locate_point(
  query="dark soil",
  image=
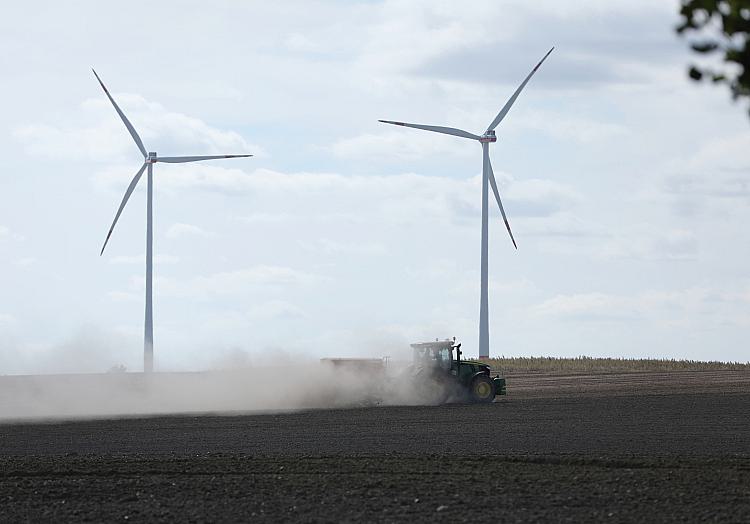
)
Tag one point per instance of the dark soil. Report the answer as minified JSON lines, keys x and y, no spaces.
{"x":672,"y":449}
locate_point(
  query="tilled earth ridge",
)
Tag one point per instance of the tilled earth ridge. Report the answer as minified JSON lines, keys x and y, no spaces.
{"x":388,"y":487}
{"x":680,"y":456}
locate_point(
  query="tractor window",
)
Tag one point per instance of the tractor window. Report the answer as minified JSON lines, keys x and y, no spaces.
{"x":445,"y":358}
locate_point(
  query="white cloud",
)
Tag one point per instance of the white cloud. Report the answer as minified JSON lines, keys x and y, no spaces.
{"x":395,"y":198}
{"x":595,"y":305}
{"x":332,"y":247}
{"x":235,"y":282}
{"x":6,"y":319}
{"x":719,"y":154}
{"x":565,"y":233}
{"x":7,"y":234}
{"x":101,"y":142}
{"x":426,"y":30}
{"x":300,"y":43}
{"x":407,"y":145}
{"x":180,"y":230}
{"x":712,"y":178}
{"x":275,"y":309}
{"x":267,"y":218}
{"x":570,"y":128}
{"x":536,"y":197}
{"x":25,"y":261}
{"x":643,"y":243}
{"x":100,"y":135}
{"x":559,"y":224}
{"x":125,"y":296}
{"x":715,"y":306}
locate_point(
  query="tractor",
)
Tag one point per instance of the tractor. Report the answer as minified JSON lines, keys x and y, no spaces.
{"x":442,"y":376}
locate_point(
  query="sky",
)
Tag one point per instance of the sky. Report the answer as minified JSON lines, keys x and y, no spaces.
{"x":627,"y":185}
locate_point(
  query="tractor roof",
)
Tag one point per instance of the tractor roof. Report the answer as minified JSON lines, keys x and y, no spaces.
{"x":437,"y":344}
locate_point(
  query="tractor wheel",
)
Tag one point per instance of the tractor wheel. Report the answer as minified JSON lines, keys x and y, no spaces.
{"x":482,"y":389}
{"x":429,"y":390}
{"x":432,"y":392}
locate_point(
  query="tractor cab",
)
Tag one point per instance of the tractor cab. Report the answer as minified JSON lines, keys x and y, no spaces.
{"x":438,"y":354}
{"x":441,"y":359}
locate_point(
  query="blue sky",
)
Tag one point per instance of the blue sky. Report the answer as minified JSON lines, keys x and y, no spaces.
{"x":626,"y":185}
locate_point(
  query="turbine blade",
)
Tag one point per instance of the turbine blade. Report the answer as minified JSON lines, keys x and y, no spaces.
{"x":181,"y":159}
{"x":512,"y":99}
{"x":128,"y":192}
{"x":437,"y":129}
{"x":125,"y":120}
{"x":493,"y":183}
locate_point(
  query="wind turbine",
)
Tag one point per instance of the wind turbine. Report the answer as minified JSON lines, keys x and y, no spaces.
{"x":487,"y":177}
{"x":149,"y":159}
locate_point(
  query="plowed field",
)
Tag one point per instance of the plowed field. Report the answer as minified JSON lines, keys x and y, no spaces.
{"x":631,"y":447}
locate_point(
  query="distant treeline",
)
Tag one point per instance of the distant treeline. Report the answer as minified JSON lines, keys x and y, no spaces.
{"x":606,"y":365}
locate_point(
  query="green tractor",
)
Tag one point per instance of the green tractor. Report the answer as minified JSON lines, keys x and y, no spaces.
{"x":442,"y":376}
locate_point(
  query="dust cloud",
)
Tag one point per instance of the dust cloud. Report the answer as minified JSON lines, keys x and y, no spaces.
{"x":86,"y":377}
{"x":260,"y":388}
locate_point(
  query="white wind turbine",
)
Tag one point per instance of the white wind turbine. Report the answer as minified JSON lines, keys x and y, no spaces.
{"x":150,"y":158}
{"x":487,"y":177}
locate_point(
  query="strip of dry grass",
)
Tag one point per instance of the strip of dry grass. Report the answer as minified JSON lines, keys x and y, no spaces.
{"x":606,"y":365}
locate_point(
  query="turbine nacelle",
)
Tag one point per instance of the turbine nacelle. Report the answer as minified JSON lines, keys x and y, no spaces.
{"x":489,"y":136}
{"x":151,"y":158}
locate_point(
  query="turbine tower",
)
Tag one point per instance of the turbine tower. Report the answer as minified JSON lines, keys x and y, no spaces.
{"x":488,"y":177}
{"x":149,"y":159}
